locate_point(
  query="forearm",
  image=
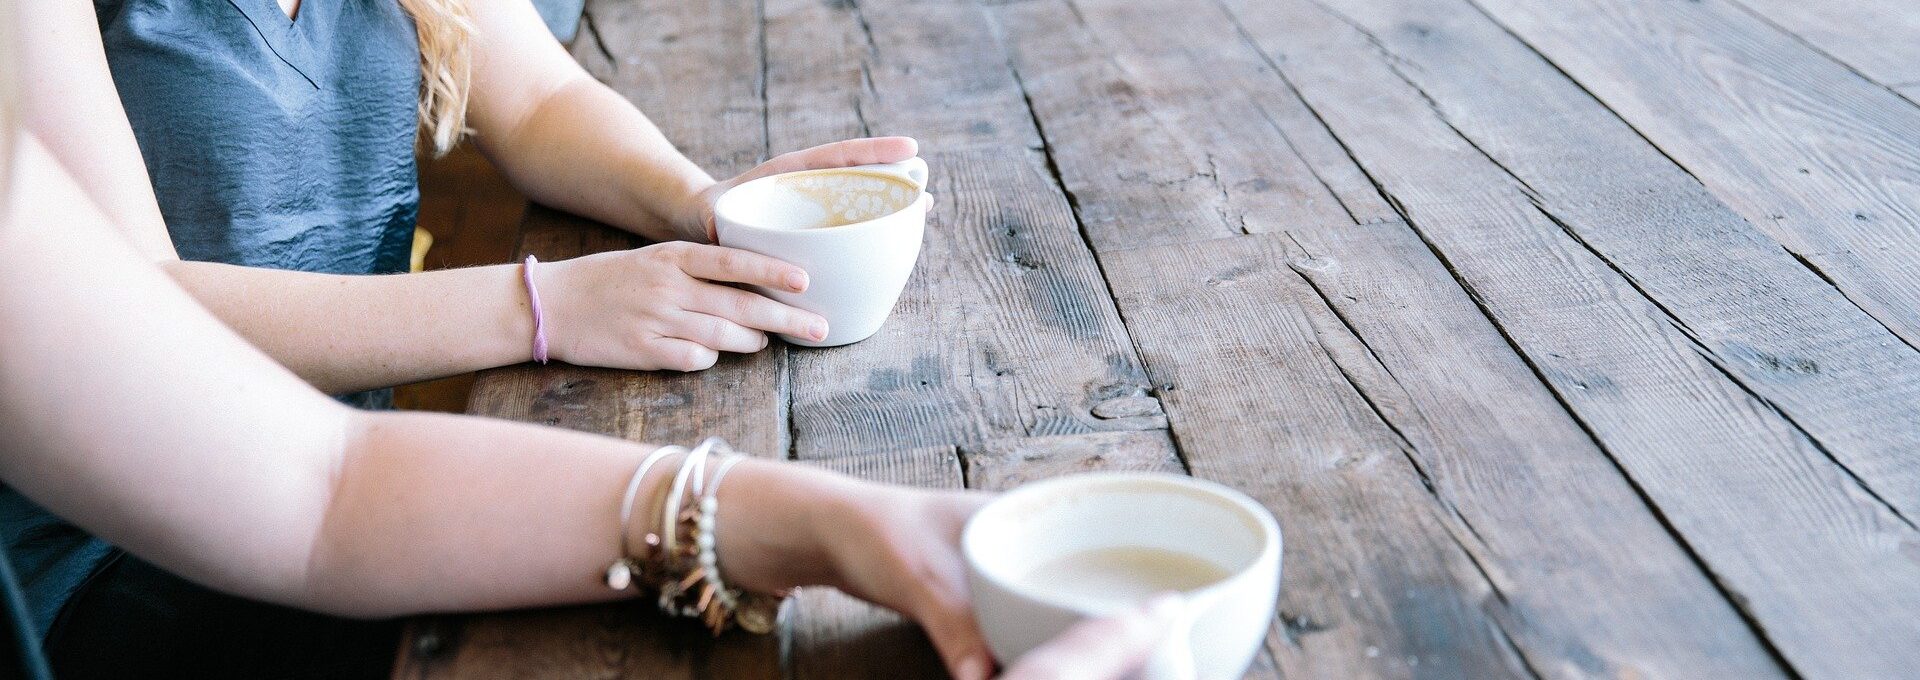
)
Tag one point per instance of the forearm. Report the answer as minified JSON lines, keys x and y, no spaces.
{"x":588,"y":151}
{"x":344,"y":334}
{"x":441,"y":513}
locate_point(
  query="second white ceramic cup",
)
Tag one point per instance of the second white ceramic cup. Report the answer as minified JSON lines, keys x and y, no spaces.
{"x":1222,"y":624}
{"x":856,"y":271}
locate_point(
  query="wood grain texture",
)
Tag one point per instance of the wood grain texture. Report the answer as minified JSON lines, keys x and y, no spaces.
{"x":1375,"y":585}
{"x":1163,"y":137}
{"x":1006,"y":328}
{"x":1500,"y":486}
{"x":628,"y":640}
{"x":1784,"y":333}
{"x":1800,"y":546}
{"x":1878,"y":38}
{"x":1003,"y":464}
{"x":1811,"y":153}
{"x":1541,"y":508}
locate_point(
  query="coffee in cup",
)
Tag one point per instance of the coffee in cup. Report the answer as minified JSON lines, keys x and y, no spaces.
{"x":1121,"y":576}
{"x":856,"y":231}
{"x":1049,"y":554}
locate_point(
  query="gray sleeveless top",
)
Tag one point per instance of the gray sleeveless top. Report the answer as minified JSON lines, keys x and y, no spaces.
{"x":271,"y":143}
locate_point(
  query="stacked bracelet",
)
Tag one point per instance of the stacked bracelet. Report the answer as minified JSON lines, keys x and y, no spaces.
{"x":620,"y":574}
{"x":681,"y":562}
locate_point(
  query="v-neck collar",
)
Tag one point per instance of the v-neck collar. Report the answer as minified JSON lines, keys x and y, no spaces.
{"x":283,"y":34}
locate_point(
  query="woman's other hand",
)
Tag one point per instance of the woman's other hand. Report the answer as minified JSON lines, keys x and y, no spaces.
{"x":900,"y":548}
{"x":665,"y":306}
{"x":695,"y":218}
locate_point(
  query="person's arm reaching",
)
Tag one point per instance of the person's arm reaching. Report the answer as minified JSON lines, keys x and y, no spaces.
{"x":349,"y":333}
{"x":569,"y":141}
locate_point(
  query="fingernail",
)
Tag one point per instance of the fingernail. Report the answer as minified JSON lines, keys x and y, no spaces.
{"x":818,"y":330}
{"x":797,"y":281}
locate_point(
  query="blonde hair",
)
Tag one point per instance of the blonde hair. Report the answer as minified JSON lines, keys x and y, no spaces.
{"x":446,"y":69}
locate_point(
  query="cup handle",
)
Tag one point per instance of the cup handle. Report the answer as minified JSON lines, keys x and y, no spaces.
{"x":913,"y":170}
{"x":1173,"y":659}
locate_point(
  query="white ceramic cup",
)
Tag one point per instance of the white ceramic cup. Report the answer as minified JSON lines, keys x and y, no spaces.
{"x":855,"y":268}
{"x":1222,"y":624}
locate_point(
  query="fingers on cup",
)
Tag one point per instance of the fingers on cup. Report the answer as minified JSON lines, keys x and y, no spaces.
{"x":732,"y":265}
{"x":759,"y":312}
{"x":958,"y":639}
{"x":864,"y":151}
{"x":675,"y":354}
{"x":1100,"y":649}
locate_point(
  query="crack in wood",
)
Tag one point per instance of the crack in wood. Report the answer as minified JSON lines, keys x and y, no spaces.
{"x":1719,"y":363}
{"x":599,"y":41}
{"x":1080,"y":224}
{"x":1312,"y":169}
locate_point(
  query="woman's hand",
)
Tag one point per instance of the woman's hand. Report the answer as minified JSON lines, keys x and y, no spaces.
{"x":664,"y":306}
{"x":694,"y":219}
{"x":899,"y":547}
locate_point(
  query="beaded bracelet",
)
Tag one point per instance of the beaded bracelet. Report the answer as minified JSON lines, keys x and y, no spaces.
{"x":754,"y":612}
{"x":693,"y":587}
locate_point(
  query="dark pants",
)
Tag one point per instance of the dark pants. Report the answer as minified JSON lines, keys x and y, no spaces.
{"x":135,"y":620}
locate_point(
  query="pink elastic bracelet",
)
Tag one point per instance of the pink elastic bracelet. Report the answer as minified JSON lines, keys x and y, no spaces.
{"x":539,"y":317}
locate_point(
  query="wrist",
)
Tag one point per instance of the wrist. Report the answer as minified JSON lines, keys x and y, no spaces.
{"x":549,"y":281}
{"x":674,"y":197}
{"x":778,"y":525}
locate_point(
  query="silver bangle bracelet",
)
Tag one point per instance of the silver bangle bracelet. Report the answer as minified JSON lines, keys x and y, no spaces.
{"x":620,"y":573}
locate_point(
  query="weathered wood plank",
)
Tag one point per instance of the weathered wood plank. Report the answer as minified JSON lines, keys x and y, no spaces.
{"x":1878,"y":38}
{"x":1502,"y":456}
{"x":1794,"y":539}
{"x":1147,"y":165}
{"x":696,"y":73}
{"x":1911,"y":92}
{"x":1782,"y":331}
{"x":1545,"y":513}
{"x":1816,"y":156}
{"x":629,"y":640}
{"x":1375,"y":582}
{"x":1003,"y":464}
{"x":1006,"y":328}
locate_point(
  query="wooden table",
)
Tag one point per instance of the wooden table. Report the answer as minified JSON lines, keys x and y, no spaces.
{"x":1566,"y":338}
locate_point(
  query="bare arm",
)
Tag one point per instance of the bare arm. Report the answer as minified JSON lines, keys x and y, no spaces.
{"x":568,"y":141}
{"x":349,"y":333}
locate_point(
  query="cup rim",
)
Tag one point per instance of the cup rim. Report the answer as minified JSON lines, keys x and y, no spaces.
{"x":720,"y":204}
{"x":1268,"y":526}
